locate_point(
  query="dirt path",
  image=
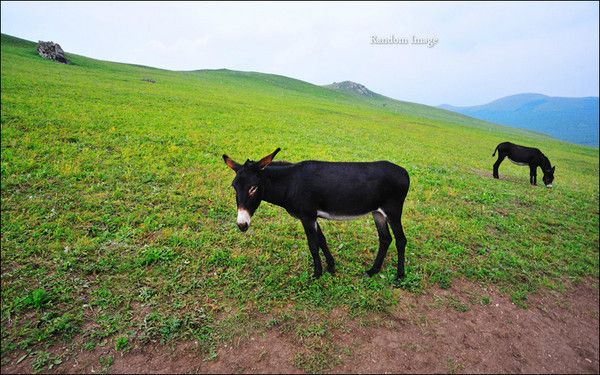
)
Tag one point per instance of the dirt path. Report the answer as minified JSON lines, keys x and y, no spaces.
{"x":464,"y":329}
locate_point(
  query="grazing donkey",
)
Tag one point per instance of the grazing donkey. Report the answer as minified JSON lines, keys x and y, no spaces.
{"x":522,"y":155}
{"x":315,"y":189}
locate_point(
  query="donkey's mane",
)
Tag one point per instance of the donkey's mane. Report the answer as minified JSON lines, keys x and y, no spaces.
{"x":280,"y":164}
{"x":547,"y":165}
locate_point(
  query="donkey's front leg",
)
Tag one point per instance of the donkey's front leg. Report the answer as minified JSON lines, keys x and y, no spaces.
{"x":533,"y":174}
{"x":310,"y":228}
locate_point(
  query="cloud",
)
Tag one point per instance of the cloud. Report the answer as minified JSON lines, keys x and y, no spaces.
{"x":485,"y":50}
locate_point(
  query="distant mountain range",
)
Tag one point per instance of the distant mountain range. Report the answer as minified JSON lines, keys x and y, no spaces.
{"x":570,"y":119}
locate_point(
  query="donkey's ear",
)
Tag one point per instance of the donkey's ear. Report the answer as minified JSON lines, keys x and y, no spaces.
{"x":553,"y":168}
{"x":230,"y":163}
{"x":267,"y":159}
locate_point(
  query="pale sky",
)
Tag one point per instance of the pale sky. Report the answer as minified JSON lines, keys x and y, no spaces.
{"x":485,"y":50}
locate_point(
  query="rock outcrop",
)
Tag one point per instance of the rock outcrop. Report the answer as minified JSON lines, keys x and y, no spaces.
{"x":352,"y":88}
{"x":52,"y":51}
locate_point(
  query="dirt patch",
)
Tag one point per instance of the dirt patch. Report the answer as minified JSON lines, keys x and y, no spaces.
{"x":466,"y":328}
{"x":270,"y":352}
{"x":505,"y":177}
{"x":558,"y":333}
{"x":482,"y":173}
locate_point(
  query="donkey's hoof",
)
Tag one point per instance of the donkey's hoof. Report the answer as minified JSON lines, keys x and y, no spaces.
{"x":331,"y":269}
{"x":371,"y":272}
{"x":317,"y":275}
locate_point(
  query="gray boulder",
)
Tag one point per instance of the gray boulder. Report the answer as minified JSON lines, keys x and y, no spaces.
{"x":52,"y":51}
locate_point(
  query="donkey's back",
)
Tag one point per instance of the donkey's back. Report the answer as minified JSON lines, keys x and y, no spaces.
{"x":350,"y":187}
{"x":356,"y":175}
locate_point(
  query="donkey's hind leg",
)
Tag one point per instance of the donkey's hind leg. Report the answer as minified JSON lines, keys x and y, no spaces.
{"x":312,"y":236}
{"x":326,"y":252}
{"x":396,"y":224}
{"x":385,"y":239}
{"x":501,"y":157}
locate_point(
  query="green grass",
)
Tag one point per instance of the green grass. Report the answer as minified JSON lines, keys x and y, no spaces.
{"x":118,"y":218}
{"x":121,"y":343}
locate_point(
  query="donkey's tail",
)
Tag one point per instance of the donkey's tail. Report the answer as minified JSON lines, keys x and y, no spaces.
{"x":494,"y":154}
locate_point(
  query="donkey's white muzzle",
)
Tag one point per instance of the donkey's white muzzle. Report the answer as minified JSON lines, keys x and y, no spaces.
{"x":243,"y":220}
{"x":549,"y":185}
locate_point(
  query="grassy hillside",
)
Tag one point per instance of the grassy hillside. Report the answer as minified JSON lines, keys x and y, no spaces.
{"x":118,"y":218}
{"x":421,"y":111}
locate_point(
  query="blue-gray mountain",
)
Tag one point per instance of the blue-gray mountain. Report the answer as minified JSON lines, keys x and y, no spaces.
{"x":570,"y":119}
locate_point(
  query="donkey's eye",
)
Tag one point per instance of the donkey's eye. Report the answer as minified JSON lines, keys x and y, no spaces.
{"x":253,"y":190}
